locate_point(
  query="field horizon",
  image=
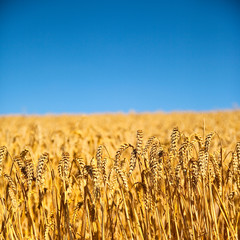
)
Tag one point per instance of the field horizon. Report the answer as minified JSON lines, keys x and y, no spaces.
{"x":235,"y":109}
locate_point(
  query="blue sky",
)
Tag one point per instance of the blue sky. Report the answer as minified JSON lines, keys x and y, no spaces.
{"x":110,"y":56}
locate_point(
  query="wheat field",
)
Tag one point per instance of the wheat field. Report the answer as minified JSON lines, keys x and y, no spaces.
{"x":120,"y":176}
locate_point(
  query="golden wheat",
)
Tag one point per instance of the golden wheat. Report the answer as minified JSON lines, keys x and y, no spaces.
{"x":136,"y":176}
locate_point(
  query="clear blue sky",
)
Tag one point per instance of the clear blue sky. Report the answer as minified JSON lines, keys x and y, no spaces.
{"x":108,"y":56}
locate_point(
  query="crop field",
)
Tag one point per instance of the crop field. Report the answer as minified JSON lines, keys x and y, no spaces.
{"x":120,"y":176}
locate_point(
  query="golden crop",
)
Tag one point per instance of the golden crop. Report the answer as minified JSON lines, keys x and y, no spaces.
{"x":133,"y":176}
